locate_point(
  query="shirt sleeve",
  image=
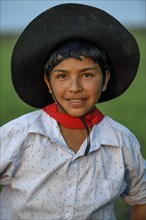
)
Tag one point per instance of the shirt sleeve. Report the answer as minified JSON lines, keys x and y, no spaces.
{"x":135,"y":172}
{"x":12,"y":146}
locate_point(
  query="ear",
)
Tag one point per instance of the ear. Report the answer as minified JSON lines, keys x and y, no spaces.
{"x":47,"y":83}
{"x":107,"y":77}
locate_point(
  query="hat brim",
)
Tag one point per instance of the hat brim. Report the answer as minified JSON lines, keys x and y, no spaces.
{"x":61,"y":23}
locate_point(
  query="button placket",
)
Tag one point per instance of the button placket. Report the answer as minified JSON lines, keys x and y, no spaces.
{"x":71,"y":190}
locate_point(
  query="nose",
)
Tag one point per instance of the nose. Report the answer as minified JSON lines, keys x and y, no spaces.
{"x":75,"y":85}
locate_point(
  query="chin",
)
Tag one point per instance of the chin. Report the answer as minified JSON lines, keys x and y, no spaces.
{"x":77,"y":114}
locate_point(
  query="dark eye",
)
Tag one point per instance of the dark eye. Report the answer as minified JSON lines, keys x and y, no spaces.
{"x":61,"y":76}
{"x":87,"y":75}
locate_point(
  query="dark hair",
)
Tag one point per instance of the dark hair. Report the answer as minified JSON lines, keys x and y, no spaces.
{"x":76,"y":49}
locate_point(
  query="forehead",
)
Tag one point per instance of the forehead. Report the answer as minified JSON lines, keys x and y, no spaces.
{"x":77,"y":64}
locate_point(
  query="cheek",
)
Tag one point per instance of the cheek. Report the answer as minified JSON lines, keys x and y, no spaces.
{"x":96,"y":91}
{"x":95,"y":87}
{"x":58,"y":88}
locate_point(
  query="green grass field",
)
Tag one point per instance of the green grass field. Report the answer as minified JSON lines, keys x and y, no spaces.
{"x":129,"y":109}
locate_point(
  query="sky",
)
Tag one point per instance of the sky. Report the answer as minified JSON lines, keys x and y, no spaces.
{"x":15,"y":15}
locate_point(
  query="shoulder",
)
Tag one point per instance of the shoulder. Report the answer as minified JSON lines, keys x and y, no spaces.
{"x":21,"y":123}
{"x":124,"y":135}
{"x":117,"y":126}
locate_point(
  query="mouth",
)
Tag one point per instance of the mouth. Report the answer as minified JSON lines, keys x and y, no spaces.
{"x":77,"y":102}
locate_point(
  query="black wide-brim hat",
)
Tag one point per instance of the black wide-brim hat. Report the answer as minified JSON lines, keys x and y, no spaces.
{"x":61,"y":23}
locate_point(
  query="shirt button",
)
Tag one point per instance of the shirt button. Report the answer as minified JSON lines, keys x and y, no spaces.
{"x":67,"y":215}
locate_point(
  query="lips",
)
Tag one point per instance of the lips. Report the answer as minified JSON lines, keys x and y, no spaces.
{"x":77,"y":102}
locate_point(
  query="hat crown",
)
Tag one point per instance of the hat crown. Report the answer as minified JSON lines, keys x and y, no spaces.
{"x":64,"y":22}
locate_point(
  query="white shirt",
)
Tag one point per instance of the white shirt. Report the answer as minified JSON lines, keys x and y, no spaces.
{"x":44,"y":179}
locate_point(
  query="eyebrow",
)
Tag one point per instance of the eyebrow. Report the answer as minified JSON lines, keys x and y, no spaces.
{"x":82,"y":70}
{"x":59,"y":70}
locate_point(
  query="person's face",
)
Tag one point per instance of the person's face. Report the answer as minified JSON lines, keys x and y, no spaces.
{"x":77,"y":85}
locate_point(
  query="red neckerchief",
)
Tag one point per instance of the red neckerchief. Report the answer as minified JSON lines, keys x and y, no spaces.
{"x":69,"y":121}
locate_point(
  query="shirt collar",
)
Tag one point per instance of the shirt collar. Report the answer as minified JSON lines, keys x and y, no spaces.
{"x":101,"y":134}
{"x":46,"y":126}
